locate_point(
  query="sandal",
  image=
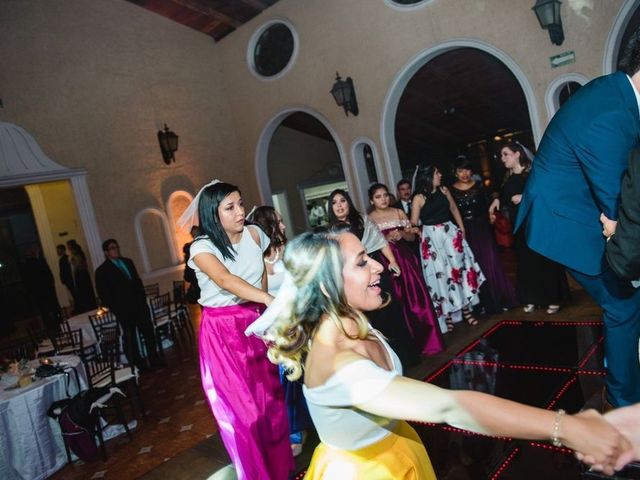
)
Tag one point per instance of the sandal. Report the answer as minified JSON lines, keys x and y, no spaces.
{"x":529,"y":308}
{"x":553,"y":309}
{"x":467,"y":314}
{"x":449,"y":323}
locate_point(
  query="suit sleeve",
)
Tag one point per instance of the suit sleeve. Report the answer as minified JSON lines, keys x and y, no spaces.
{"x":103,"y":288}
{"x":603,"y":151}
{"x":623,"y":249}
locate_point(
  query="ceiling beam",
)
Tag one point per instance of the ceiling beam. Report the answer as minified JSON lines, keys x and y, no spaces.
{"x":197,"y":6}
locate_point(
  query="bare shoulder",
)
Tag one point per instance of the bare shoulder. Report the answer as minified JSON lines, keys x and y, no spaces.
{"x":253,"y":231}
{"x":444,"y":190}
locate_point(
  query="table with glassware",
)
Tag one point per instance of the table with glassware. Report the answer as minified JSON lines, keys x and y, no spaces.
{"x":32,"y":446}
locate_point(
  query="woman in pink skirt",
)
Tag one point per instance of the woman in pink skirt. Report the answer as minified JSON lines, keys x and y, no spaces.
{"x":241,"y":385}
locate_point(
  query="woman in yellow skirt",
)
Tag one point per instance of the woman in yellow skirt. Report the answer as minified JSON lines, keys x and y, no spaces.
{"x":353,"y":383}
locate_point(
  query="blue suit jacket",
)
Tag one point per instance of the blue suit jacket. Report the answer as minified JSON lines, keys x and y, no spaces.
{"x":577,"y":174}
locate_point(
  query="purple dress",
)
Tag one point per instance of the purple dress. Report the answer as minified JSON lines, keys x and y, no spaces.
{"x":497,"y":293}
{"x":409,"y":288}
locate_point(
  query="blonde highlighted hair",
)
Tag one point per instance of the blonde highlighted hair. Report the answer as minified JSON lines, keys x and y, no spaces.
{"x":314,"y":262}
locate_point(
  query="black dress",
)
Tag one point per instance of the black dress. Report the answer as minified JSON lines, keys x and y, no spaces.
{"x":497,"y":293}
{"x":539,"y":280}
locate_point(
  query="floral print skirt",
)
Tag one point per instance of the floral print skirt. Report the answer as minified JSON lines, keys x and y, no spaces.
{"x":451,"y":272}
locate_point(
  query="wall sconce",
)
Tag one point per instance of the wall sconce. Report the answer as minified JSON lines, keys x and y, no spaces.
{"x":344,"y":94}
{"x":548,"y":13}
{"x":168,"y":144}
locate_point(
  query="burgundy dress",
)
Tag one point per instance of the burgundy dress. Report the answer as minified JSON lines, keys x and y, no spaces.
{"x":409,"y":288}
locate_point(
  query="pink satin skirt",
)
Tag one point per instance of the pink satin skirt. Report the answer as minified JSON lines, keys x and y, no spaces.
{"x":244,"y":393}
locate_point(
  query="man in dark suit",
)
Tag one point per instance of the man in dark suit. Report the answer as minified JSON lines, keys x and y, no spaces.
{"x":623,"y":248}
{"x":121,"y":290}
{"x":404,"y":197}
{"x":576,"y":176}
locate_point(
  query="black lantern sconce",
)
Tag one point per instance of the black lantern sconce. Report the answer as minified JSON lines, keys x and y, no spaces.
{"x":344,"y":94}
{"x":168,"y":144}
{"x":548,"y":13}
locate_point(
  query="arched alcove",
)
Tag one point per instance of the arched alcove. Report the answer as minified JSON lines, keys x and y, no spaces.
{"x":265,"y":173}
{"x":155,"y":241}
{"x":367,"y":166}
{"x":552,"y":96}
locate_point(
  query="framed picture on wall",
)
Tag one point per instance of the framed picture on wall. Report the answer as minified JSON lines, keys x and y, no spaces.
{"x":316,"y":200}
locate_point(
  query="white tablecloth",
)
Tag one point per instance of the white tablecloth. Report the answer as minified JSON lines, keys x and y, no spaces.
{"x":31,"y":445}
{"x":81,"y":321}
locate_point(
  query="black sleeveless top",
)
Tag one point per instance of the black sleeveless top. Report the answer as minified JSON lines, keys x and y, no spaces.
{"x":435,"y":209}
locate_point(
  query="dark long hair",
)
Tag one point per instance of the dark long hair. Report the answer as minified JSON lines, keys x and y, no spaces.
{"x":525,"y":161}
{"x":354,"y":218}
{"x":424,"y":180}
{"x":266,"y":218}
{"x":210,"y":200}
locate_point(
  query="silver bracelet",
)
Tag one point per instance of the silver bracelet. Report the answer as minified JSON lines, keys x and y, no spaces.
{"x":555,"y":441}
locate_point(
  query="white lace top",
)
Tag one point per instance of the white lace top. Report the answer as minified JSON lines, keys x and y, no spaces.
{"x":331,"y":405}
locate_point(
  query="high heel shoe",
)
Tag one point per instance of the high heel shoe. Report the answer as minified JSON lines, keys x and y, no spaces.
{"x":467,"y":314}
{"x":529,"y":308}
{"x":449,"y":323}
{"x":553,"y":309}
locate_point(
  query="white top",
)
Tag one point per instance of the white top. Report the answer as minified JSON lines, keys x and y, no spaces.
{"x":275,"y":280}
{"x":331,"y":405}
{"x":248,"y":265}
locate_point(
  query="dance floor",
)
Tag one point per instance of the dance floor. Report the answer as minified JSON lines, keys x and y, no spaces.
{"x":546,"y":364}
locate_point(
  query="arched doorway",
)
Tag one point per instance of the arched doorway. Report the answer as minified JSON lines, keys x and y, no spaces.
{"x":627,"y":21}
{"x":478,"y":104}
{"x":58,"y":201}
{"x":299,"y":161}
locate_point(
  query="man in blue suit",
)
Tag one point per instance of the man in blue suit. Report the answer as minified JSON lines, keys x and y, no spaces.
{"x":576,"y":176}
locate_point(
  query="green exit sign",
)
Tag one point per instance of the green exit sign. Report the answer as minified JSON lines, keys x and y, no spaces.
{"x":562,"y":59}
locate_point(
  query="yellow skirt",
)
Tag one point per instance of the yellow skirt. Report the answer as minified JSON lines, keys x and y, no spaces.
{"x":400,"y":455}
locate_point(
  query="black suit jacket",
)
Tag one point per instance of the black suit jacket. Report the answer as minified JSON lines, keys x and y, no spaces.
{"x":66,"y":277}
{"x":399,"y":206}
{"x":623,"y":249}
{"x":124,"y":296}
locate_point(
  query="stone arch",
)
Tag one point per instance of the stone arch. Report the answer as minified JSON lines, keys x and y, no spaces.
{"x":552,"y":96}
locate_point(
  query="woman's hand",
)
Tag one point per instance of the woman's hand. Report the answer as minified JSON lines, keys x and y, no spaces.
{"x":627,"y":421}
{"x":393,"y":236}
{"x":394,"y":269}
{"x":495,"y":206}
{"x":608,"y":226}
{"x":596,"y":442}
{"x":516,"y":199}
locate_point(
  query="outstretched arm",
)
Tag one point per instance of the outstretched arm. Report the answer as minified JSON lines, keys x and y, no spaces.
{"x":587,"y":432}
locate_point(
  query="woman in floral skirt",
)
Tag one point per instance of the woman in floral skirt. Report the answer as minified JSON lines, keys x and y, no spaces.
{"x":453,"y":276}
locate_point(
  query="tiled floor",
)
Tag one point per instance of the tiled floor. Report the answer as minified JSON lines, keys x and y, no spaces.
{"x":177,"y":440}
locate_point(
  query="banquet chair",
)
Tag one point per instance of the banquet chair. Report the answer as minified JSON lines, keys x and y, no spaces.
{"x":181,"y":311}
{"x":103,"y":372}
{"x":71,"y":342}
{"x":21,"y":348}
{"x":163,"y":321}
{"x":152,"y":290}
{"x":101,"y":321}
{"x":41,"y":341}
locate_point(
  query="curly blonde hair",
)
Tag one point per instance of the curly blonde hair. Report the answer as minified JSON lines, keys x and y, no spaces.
{"x":315,"y":263}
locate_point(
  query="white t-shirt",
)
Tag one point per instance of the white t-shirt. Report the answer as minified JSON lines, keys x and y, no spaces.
{"x":331,"y":405}
{"x":248,"y":265}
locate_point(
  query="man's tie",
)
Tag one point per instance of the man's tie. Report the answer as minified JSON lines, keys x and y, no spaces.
{"x":121,"y":265}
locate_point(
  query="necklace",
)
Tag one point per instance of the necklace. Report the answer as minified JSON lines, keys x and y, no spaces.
{"x":276,"y":258}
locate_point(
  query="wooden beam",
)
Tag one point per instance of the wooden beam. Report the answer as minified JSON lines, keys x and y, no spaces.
{"x":257,"y":4}
{"x":197,"y":6}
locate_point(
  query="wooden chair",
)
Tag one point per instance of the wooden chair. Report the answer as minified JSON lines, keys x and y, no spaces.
{"x":152,"y":290}
{"x":163,"y":320}
{"x":99,"y":322}
{"x":72,"y":343}
{"x":181,"y":311}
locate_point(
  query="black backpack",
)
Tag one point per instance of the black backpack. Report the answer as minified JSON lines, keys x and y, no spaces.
{"x":78,"y":424}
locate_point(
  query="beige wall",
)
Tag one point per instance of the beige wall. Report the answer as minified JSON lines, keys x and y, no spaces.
{"x":94,"y":80}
